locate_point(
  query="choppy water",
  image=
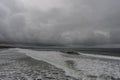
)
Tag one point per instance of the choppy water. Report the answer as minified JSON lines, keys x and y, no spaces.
{"x":78,"y":65}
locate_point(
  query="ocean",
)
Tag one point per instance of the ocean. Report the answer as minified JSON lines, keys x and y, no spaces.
{"x":79,"y":65}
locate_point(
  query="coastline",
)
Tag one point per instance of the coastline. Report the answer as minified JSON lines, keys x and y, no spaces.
{"x":51,"y":65}
{"x":19,"y":66}
{"x":80,"y":66}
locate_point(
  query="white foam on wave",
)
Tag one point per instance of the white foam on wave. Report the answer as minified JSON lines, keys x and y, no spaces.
{"x":79,"y":64}
{"x":52,"y":57}
{"x":101,"y":56}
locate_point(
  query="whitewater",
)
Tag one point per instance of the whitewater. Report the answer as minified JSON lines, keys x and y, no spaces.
{"x":78,"y":66}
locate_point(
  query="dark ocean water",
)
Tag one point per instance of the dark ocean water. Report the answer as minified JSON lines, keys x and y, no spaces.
{"x":100,"y":51}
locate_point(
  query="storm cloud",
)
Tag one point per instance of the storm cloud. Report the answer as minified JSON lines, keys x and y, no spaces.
{"x":65,"y":22}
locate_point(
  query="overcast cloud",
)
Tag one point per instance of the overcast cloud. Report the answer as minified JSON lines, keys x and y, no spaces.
{"x":66,"y":22}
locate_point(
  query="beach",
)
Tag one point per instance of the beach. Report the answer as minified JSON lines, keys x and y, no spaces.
{"x":27,"y":64}
{"x":18,"y":66}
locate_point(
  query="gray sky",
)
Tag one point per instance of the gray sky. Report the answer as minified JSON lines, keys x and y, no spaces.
{"x":66,"y":22}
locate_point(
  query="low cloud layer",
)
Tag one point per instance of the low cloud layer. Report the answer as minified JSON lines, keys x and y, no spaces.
{"x":64,"y":22}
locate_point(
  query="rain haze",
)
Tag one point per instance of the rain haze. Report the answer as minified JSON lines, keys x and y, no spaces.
{"x":60,"y":22}
{"x":59,"y":40}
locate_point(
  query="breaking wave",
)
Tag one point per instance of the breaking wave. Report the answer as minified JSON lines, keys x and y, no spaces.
{"x":78,"y":65}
